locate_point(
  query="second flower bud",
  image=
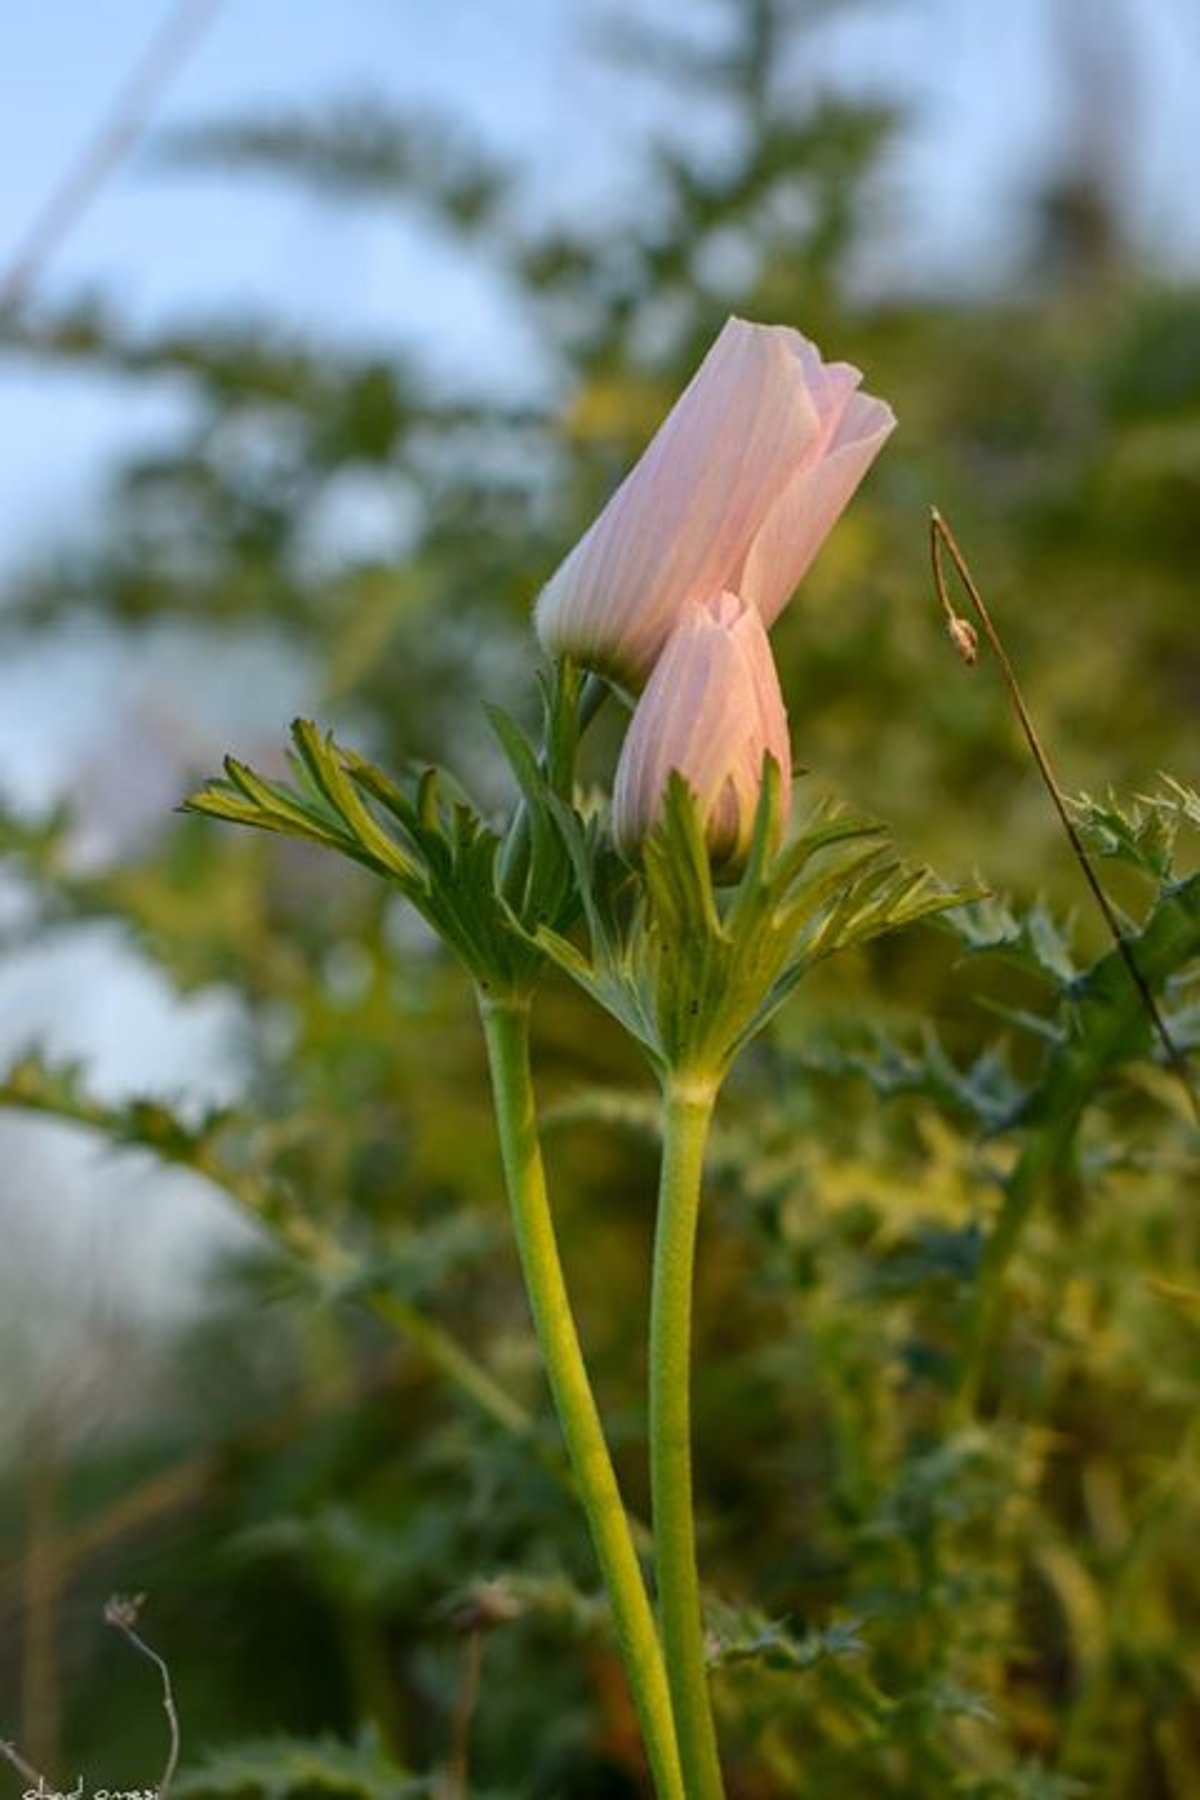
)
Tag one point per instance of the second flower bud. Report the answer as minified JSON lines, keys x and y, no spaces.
{"x":711,"y":712}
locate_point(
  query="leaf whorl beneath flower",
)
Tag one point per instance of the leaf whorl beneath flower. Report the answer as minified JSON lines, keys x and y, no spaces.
{"x":695,"y":973}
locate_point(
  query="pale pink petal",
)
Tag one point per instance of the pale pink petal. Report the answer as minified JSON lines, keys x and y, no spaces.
{"x":684,"y":518}
{"x":810,"y":505}
{"x":711,"y":710}
{"x":829,"y":384}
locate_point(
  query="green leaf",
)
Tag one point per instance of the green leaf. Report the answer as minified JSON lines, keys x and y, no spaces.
{"x":436,"y":850}
{"x":744,"y":1635}
{"x":277,"y":1768}
{"x":326,"y":767}
{"x":1143,"y":834}
{"x":246,"y":799}
{"x":1105,"y":1020}
{"x":985,"y":1091}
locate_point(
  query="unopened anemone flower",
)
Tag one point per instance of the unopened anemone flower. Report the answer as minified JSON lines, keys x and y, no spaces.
{"x":712,"y":712}
{"x":737,"y":492}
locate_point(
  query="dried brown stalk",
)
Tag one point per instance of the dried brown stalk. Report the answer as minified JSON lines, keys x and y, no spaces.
{"x":962,"y":632}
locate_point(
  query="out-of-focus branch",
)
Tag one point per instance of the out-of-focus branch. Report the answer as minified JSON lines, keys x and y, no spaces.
{"x":39,"y":1664}
{"x":119,"y":130}
{"x":12,"y":1755}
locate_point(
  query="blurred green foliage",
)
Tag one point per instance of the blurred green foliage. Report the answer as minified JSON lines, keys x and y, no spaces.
{"x":949,"y":1315}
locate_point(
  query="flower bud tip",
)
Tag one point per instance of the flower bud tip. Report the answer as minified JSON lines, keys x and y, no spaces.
{"x":964,"y":637}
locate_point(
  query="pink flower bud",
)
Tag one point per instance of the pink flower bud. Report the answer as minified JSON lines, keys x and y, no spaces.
{"x":712,"y":710}
{"x":737,"y":490}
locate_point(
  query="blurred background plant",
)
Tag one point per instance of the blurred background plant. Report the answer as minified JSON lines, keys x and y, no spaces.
{"x":266,"y":1353}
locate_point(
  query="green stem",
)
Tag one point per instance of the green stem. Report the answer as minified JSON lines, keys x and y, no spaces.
{"x":1043,"y":1154}
{"x":506,"y":1029}
{"x":687,"y":1111}
{"x":454,"y":1363}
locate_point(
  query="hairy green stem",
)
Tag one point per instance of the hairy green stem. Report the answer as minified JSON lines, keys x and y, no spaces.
{"x":506,"y":1029}
{"x":687,"y":1112}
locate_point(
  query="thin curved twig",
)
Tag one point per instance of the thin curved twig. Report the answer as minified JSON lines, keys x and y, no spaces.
{"x":119,"y":130}
{"x":962,"y":633}
{"x":121,"y":1612}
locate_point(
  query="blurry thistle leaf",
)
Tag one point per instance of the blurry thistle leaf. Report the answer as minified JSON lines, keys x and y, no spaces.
{"x":1142,"y":834}
{"x":941,"y":1699}
{"x":953,"y":1482}
{"x":986,"y":1090}
{"x":1093,"y":1023}
{"x":233,"y":1150}
{"x":1104,"y":1019}
{"x":740,"y":1634}
{"x":248,"y":1158}
{"x":412,"y":1267}
{"x":59,"y":1090}
{"x":1048,"y":942}
{"x":933,"y":1255}
{"x":288,"y":1768}
{"x":1032,"y":938}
